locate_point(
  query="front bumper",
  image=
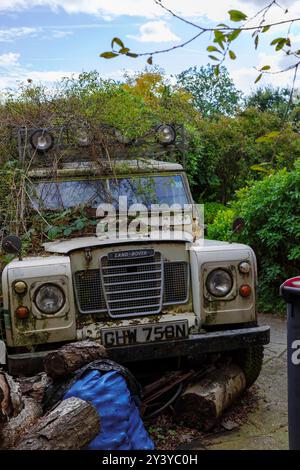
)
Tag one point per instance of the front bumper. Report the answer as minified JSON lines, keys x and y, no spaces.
{"x":194,"y":346}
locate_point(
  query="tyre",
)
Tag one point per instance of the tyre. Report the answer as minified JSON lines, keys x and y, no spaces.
{"x":250,"y":360}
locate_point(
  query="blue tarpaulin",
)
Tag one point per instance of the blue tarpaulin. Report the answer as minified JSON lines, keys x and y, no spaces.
{"x":121,"y":425}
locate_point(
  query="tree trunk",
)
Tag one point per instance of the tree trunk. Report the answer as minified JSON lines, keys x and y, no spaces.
{"x":202,"y":403}
{"x":18,"y":425}
{"x":71,"y":357}
{"x":69,"y":426}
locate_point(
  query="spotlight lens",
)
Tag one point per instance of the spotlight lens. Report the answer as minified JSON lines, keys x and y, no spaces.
{"x":83,"y":138}
{"x":41,"y":140}
{"x":166,"y":134}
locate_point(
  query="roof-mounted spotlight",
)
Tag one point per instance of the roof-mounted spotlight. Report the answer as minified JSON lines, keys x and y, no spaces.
{"x":41,"y":140}
{"x":121,"y":138}
{"x":165,"y":134}
{"x":82,"y":137}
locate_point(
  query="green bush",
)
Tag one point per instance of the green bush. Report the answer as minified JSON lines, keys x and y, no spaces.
{"x":210,"y":211}
{"x":220,"y":229}
{"x":271,"y":209}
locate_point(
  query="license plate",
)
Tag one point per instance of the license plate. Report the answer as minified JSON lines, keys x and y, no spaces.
{"x":146,"y":333}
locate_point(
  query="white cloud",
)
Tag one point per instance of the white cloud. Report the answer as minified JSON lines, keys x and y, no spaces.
{"x":10,"y":34}
{"x":60,"y":34}
{"x":155,"y":31}
{"x":214,"y":10}
{"x":9,"y":60}
{"x":12,"y":73}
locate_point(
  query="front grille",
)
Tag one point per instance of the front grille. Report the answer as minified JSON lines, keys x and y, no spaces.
{"x":89,"y":292}
{"x":128,"y":287}
{"x":176,"y":282}
{"x":133,"y":286}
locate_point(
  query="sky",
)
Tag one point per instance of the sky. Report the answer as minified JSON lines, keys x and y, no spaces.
{"x":45,"y":40}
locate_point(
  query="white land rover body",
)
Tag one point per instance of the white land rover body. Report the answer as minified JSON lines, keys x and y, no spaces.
{"x":143,"y":297}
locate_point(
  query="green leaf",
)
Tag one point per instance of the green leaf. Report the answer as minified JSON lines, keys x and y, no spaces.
{"x":68,"y":231}
{"x":236,"y":15}
{"x":108,"y":55}
{"x":275,"y":41}
{"x":212,"y":49}
{"x":268,"y":137}
{"x":217,"y":70}
{"x":265,"y":29}
{"x":117,"y":41}
{"x":280,"y":45}
{"x":258,"y":78}
{"x":212,"y":57}
{"x":256,"y":41}
{"x":80,"y":224}
{"x":219,"y":36}
{"x":259,"y":168}
{"x":232,"y":36}
{"x":124,"y":50}
{"x":53,"y":232}
{"x":232,"y":55}
{"x":132,"y":54}
{"x":265,"y":67}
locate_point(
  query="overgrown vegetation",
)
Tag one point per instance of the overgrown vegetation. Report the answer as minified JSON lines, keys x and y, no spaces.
{"x":271,"y":211}
{"x":241,"y":156}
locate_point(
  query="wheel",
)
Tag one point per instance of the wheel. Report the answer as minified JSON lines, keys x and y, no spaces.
{"x":250,"y":360}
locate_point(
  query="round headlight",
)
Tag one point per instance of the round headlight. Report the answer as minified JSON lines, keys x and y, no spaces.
{"x":219,"y":283}
{"x":49,"y":299}
{"x":166,"y":134}
{"x":41,"y":140}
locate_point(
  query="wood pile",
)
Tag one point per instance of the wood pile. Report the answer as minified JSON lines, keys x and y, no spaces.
{"x":23,"y":426}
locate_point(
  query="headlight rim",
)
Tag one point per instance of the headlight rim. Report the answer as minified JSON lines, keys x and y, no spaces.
{"x":219,"y":296}
{"x":171,"y":128}
{"x":43,"y":132}
{"x":37,"y":292}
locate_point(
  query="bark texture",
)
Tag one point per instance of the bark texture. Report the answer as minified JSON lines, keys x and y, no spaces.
{"x":69,"y":426}
{"x":71,"y":357}
{"x":202,"y":403}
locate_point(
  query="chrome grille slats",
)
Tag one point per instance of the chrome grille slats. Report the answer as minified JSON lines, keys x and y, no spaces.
{"x":132,"y":287}
{"x":119,"y":278}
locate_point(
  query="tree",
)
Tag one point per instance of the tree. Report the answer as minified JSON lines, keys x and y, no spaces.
{"x":269,"y":99}
{"x":211,"y":95}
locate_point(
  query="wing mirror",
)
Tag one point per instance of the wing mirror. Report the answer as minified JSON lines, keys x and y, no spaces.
{"x":238,"y":225}
{"x":12,"y":245}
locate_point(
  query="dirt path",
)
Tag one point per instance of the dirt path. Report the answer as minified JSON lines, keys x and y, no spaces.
{"x":266,"y":426}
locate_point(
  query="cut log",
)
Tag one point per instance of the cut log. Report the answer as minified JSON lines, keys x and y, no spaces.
{"x":5,"y":401}
{"x":12,"y":402}
{"x":18,"y":425}
{"x":71,"y":357}
{"x":34,"y":387}
{"x":202,"y":403}
{"x":71,"y":425}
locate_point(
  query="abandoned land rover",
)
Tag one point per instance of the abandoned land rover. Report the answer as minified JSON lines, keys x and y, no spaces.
{"x":146,"y":294}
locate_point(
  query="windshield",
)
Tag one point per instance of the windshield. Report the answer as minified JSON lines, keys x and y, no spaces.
{"x":147,"y":190}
